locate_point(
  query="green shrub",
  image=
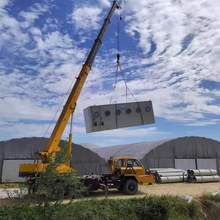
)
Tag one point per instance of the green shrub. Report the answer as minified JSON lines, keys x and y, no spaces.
{"x":211,"y":197}
{"x":211,"y":206}
{"x":149,"y":208}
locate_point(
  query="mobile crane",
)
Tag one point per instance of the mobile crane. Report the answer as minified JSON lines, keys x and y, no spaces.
{"x":125,"y":172}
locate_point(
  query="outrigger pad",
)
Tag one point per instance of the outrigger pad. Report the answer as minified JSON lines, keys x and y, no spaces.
{"x":113,"y":116}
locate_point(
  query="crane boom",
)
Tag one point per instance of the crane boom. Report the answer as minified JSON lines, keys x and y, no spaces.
{"x":69,"y":107}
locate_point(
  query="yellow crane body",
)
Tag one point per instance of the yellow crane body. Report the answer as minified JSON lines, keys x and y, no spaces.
{"x":125,"y":176}
{"x":53,"y":144}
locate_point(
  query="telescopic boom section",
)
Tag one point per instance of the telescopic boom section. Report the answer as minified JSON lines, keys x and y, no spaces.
{"x":70,"y":105}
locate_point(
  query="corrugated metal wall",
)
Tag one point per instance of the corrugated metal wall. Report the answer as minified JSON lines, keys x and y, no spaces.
{"x":15,"y":151}
{"x":185,"y":153}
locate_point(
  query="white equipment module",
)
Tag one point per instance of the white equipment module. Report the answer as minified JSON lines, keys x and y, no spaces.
{"x":113,"y":116}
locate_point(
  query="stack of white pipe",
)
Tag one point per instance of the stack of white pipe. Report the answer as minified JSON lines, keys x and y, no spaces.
{"x":169,"y":175}
{"x":203,"y":175}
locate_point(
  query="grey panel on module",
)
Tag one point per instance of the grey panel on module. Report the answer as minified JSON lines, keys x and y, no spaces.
{"x":112,"y":116}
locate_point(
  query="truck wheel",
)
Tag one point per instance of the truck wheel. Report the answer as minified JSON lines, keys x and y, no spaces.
{"x":130,"y":187}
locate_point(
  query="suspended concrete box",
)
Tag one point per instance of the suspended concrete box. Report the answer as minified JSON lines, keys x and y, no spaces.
{"x":113,"y":116}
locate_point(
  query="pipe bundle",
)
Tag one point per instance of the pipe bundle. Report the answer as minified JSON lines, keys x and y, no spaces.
{"x":202,"y":176}
{"x":169,"y":175}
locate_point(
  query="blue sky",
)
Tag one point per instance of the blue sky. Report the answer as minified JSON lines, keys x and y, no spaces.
{"x":169,"y":54}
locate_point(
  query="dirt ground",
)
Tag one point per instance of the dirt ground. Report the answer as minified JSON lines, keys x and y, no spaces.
{"x":195,"y":190}
{"x":175,"y":189}
{"x":181,"y":189}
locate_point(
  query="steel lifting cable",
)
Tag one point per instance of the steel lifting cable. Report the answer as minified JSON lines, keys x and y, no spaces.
{"x":118,"y":65}
{"x":115,"y":83}
{"x":117,"y":58}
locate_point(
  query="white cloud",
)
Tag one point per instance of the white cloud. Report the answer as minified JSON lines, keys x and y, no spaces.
{"x":172,"y":82}
{"x":33,"y":13}
{"x":34,"y":91}
{"x":185,"y":35}
{"x":13,"y":108}
{"x":11,"y":30}
{"x":4,"y":3}
{"x":105,"y":3}
{"x":86,"y":17}
{"x":119,"y":136}
{"x":129,"y":132}
{"x":19,"y":129}
{"x":203,"y":123}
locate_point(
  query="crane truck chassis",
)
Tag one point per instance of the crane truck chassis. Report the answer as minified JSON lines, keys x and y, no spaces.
{"x":125,"y":173}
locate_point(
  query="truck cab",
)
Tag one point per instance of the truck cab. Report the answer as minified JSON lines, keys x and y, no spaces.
{"x":126,"y":166}
{"x":129,"y":172}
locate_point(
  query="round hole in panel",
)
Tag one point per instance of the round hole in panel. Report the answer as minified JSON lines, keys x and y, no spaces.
{"x":147,"y":108}
{"x":95,"y":124}
{"x":128,"y":111}
{"x":95,"y":114}
{"x":107,"y":113}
